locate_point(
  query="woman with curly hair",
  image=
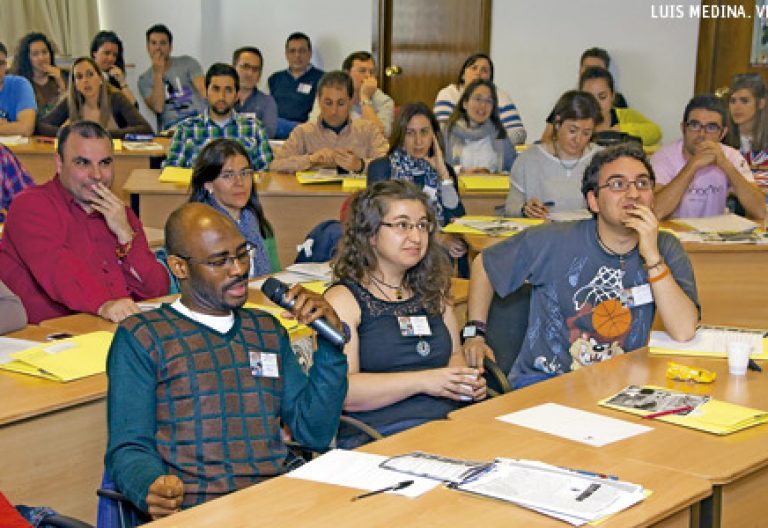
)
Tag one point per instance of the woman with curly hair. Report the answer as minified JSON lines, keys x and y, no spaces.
{"x":36,"y":60}
{"x":405,"y":361}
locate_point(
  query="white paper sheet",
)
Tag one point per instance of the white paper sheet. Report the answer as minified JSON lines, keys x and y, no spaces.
{"x":710,"y":340}
{"x":355,"y":469}
{"x":574,"y":424}
{"x":569,"y":216}
{"x":727,"y":223}
{"x":9,"y":345}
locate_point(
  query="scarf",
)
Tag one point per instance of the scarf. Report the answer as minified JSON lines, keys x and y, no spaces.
{"x":461,"y":134}
{"x":405,"y":167}
{"x":249,"y":227}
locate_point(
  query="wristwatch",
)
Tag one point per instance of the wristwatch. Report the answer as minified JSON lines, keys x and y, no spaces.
{"x":473,"y":329}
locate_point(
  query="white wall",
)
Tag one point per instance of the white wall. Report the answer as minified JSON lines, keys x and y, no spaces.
{"x":535,"y":44}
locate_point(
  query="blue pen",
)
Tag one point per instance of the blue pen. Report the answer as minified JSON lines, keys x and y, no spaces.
{"x":592,"y":474}
{"x":549,"y":203}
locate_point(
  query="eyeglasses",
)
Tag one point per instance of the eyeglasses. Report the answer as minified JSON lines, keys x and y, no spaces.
{"x":481,"y":100}
{"x":249,"y":67}
{"x":697,"y":126}
{"x":403,"y":227}
{"x":643,"y":183}
{"x":228,"y":175}
{"x":243,"y":257}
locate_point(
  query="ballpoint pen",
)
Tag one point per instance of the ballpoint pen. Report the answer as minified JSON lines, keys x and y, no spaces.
{"x":394,"y":487}
{"x":668,"y":411}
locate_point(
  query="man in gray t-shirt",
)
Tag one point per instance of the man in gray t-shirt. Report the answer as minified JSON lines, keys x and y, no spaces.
{"x":596,"y":284}
{"x":172,"y":86}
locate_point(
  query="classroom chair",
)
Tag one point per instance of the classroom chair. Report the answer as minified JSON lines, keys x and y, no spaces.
{"x":114,"y":510}
{"x":506,"y":327}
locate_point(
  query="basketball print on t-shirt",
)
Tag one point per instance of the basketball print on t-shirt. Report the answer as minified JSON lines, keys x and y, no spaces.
{"x":599,"y":327}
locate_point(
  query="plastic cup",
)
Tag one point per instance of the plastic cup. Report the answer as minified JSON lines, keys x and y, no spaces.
{"x":738,"y":357}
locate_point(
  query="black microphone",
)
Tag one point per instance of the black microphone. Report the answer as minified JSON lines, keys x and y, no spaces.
{"x":275,"y":292}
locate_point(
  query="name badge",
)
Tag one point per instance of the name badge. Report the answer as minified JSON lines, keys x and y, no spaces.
{"x":637,"y":296}
{"x":416,"y":325}
{"x":304,"y":88}
{"x":263,"y":364}
{"x":431,"y":192}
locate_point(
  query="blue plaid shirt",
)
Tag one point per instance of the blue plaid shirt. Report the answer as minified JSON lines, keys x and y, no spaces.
{"x":14,"y":178}
{"x":194,"y":132}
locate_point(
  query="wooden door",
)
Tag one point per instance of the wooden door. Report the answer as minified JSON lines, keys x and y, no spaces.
{"x":724,"y":49}
{"x":429,"y":41}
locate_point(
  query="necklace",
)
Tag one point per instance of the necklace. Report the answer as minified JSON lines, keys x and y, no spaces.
{"x":611,"y":252}
{"x":398,"y":288}
{"x":568,"y":168}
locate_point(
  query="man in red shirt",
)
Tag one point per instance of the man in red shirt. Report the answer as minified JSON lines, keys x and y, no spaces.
{"x":71,"y":245}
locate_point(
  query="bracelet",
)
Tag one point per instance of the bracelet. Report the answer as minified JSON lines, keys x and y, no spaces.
{"x":655,"y":265}
{"x":660,"y":276}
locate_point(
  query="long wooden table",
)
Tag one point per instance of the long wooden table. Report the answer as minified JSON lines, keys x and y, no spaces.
{"x":52,"y":439}
{"x":290,"y":502}
{"x":736,"y":464}
{"x":292,"y":208}
{"x":731,"y":280}
{"x":38,"y":157}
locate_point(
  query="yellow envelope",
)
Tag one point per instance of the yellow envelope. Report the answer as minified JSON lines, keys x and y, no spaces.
{"x":295,"y":330}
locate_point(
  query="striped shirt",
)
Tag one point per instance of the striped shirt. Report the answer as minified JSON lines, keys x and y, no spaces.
{"x":194,"y":132}
{"x":448,"y":97}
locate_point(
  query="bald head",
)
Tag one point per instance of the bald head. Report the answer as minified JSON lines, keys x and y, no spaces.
{"x":210,"y":258}
{"x":188,"y":222}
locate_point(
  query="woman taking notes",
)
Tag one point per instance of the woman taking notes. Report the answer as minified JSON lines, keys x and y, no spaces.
{"x":474,"y":136}
{"x":547,"y":176}
{"x":91,"y":98}
{"x":416,"y":155}
{"x":748,"y":119}
{"x":223,"y":178}
{"x":405,"y":360}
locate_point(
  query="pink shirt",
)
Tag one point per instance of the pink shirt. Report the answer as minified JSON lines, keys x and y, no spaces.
{"x":59,"y":259}
{"x":709,"y":188}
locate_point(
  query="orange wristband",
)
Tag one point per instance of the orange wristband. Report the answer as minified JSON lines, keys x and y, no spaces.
{"x":660,"y":276}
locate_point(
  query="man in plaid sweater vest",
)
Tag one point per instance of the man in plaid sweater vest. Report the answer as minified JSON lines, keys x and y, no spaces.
{"x":198,"y":388}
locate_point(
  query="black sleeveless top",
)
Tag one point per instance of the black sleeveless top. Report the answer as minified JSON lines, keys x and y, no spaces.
{"x":382,"y":348}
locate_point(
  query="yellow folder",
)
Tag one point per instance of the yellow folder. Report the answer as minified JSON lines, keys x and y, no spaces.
{"x":506,"y":227}
{"x":714,"y":416}
{"x":177,"y":175}
{"x":65,"y":360}
{"x":305,"y":177}
{"x":353,"y":184}
{"x":486,"y":183}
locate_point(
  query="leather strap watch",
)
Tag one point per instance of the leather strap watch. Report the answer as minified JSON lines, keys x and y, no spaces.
{"x":473,"y":329}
